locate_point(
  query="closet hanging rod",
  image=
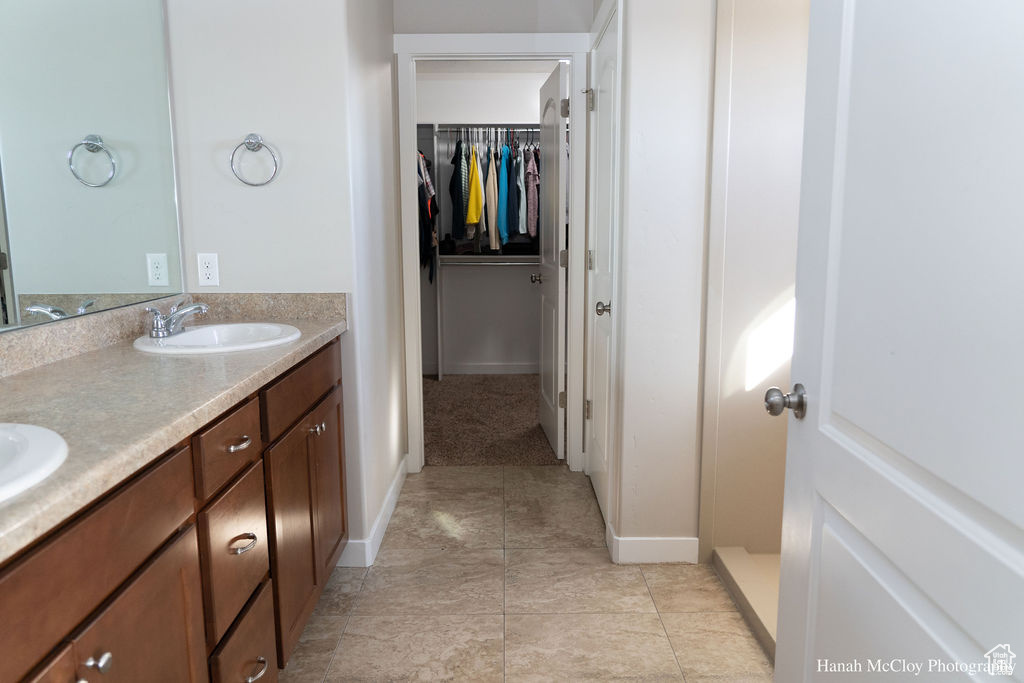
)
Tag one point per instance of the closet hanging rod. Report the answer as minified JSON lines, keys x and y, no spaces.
{"x":458,"y":129}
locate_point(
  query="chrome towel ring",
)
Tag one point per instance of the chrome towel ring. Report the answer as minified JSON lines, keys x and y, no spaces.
{"x":254,"y":143}
{"x":92,"y":143}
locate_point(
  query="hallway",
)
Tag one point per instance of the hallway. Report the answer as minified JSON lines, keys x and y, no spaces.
{"x":501,"y":573}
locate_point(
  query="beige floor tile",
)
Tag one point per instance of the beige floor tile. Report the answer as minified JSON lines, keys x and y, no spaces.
{"x":472,"y":518}
{"x":531,"y":477}
{"x":411,"y":582}
{"x":587,"y":647}
{"x":715,"y":645}
{"x":461,"y":648}
{"x":340,"y":592}
{"x":687,"y":588}
{"x":460,"y":478}
{"x":545,"y":516}
{"x":551,"y":581}
{"x":313,"y":654}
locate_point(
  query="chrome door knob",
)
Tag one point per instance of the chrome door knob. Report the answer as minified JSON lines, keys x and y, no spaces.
{"x":601,"y":308}
{"x":776,"y":402}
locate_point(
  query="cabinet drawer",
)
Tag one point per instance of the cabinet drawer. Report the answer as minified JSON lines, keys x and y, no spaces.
{"x":227,"y":446}
{"x":59,"y":669}
{"x":233,"y":537}
{"x":250,"y":648}
{"x":153,"y":630}
{"x":293,"y":395}
{"x":53,"y":588}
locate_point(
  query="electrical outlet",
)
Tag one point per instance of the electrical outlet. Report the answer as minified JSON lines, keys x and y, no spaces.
{"x":156,"y":269}
{"x":209,"y":272}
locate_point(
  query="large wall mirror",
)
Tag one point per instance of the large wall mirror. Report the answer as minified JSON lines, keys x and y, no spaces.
{"x":89,"y":216}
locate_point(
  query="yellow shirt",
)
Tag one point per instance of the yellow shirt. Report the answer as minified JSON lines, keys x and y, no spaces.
{"x":476,"y":201}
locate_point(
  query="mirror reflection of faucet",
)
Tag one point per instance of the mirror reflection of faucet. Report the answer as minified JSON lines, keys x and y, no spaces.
{"x":56,"y":312}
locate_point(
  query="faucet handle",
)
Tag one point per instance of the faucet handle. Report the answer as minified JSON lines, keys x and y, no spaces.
{"x":85,"y":304}
{"x":159,"y":328}
{"x":175,"y":306}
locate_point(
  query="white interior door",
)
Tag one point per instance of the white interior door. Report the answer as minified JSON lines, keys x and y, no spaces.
{"x":903,"y":536}
{"x":551,"y":228}
{"x":601,"y":246}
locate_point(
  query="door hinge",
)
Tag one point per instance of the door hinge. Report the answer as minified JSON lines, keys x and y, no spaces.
{"x":589,"y":92}
{"x":590,"y":259}
{"x":565,"y":108}
{"x":588,"y":409}
{"x":561,"y":399}
{"x":3,"y":261}
{"x":563,"y":258}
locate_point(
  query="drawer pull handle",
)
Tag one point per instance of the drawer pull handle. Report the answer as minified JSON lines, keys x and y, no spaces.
{"x":317,"y":429}
{"x":241,"y":445}
{"x":102,"y":664}
{"x":245,"y":548}
{"x":262,"y":662}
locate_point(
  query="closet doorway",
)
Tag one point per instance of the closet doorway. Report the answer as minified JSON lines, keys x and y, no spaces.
{"x":492,"y":173}
{"x":494,"y":330}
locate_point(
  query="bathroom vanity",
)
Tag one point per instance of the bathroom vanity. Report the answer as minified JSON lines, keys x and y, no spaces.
{"x":189,"y":550}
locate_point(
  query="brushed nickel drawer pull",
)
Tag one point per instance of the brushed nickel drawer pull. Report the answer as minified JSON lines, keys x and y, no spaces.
{"x":102,"y":664}
{"x":245,"y":548}
{"x":241,"y":445}
{"x":262,"y":661}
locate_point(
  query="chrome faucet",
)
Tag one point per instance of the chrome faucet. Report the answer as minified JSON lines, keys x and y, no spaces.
{"x":166,"y":325}
{"x":55,"y":312}
{"x":85,"y":304}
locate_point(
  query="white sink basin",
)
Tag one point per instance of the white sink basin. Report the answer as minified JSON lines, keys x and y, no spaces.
{"x":221,"y":338}
{"x":28,"y":454}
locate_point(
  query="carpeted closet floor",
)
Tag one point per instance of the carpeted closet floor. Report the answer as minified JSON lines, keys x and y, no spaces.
{"x":484,"y":420}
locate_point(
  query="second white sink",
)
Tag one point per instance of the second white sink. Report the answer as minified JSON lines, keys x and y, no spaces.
{"x":221,"y":338}
{"x":28,"y":454}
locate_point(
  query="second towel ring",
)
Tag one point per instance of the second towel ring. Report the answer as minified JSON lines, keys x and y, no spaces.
{"x":92,"y":143}
{"x":254,"y":143}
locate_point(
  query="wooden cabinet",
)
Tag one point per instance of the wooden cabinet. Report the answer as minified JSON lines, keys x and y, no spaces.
{"x":209,"y":561}
{"x":305,"y":488}
{"x":290,"y":482}
{"x":153,"y":629}
{"x":327,"y":448}
{"x":235,"y":547}
{"x":249,"y":652}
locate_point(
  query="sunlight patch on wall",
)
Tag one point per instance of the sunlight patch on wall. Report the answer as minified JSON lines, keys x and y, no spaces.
{"x":770,"y":345}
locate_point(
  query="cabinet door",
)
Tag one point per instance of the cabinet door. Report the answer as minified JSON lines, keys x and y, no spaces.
{"x":153,"y":630}
{"x":327,"y":447}
{"x":290,"y":491}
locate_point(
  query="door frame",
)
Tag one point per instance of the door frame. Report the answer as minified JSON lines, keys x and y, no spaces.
{"x":572,"y":47}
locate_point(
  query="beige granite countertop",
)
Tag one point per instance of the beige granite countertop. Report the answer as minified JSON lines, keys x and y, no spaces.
{"x":120,"y":409}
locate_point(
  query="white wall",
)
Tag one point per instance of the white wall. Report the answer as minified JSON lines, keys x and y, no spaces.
{"x":286,"y":80}
{"x":494,"y":97}
{"x":324,"y":96}
{"x":665,"y":127}
{"x":373,"y":350}
{"x":72,"y":69}
{"x":759,"y":105}
{"x":493,"y":16}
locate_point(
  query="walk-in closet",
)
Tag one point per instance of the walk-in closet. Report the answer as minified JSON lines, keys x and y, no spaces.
{"x":490,"y":191}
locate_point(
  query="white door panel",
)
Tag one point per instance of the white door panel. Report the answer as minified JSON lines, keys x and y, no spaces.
{"x":904,"y":522}
{"x":600,"y":242}
{"x":551,"y":229}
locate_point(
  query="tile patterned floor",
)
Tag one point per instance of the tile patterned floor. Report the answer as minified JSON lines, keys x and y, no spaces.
{"x":501,"y":574}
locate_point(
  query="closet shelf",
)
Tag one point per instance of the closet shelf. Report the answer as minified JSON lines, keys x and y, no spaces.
{"x":496,"y":260}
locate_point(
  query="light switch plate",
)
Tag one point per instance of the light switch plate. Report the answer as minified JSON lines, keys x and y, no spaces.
{"x":156,"y":270}
{"x":209,"y":271}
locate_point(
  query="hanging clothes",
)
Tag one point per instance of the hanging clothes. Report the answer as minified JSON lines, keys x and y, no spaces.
{"x":503,"y":194}
{"x":532,"y":194}
{"x":521,"y":190}
{"x":493,"y":236}
{"x":465,"y":179}
{"x":455,"y":192}
{"x":427,"y":215}
{"x":512,"y":206}
{"x":475,"y":200}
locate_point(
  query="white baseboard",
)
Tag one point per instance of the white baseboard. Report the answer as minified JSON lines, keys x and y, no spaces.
{"x":650,"y":549}
{"x":361,"y":552}
{"x":491,"y":368}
